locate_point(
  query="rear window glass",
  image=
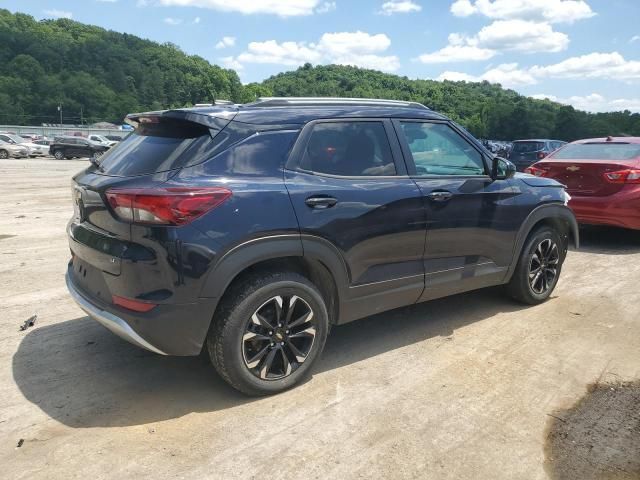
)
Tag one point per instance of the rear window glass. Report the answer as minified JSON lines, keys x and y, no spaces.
{"x":599,"y":151}
{"x":526,"y":147}
{"x":157,"y":147}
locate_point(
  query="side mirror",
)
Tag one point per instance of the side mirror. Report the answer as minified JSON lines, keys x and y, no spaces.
{"x":502,"y":169}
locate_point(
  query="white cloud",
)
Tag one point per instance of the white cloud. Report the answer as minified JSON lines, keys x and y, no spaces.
{"x":521,"y":36}
{"x":457,"y":53}
{"x":635,"y":38}
{"x":344,"y":48}
{"x":593,"y":65}
{"x":230,"y":62}
{"x":283,"y":8}
{"x":172,"y":21}
{"x":58,"y":13}
{"x":399,"y":6}
{"x":196,"y":20}
{"x":551,"y":11}
{"x":326,"y":7}
{"x":501,"y":35}
{"x":507,"y":74}
{"x":595,"y":102}
{"x":226,"y":42}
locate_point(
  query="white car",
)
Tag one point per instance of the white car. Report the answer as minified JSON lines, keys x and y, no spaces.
{"x":34,"y":150}
{"x":9,"y":150}
{"x":102,"y":140}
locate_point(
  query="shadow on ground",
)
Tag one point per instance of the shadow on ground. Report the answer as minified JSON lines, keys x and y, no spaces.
{"x":609,"y":240}
{"x":80,"y":374}
{"x":597,"y":438}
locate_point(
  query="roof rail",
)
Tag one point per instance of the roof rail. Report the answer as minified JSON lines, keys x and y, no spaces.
{"x":336,"y":101}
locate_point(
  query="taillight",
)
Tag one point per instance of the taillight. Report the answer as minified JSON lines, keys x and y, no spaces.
{"x":165,"y":206}
{"x":134,"y":305}
{"x":623,"y":176}
{"x":541,"y":155}
{"x":538,"y":172}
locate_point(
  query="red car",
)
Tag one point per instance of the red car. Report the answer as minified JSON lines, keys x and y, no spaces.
{"x":602,"y":176}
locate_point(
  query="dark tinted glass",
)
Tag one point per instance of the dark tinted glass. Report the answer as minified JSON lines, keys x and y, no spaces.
{"x":526,"y":147}
{"x":598,"y":151}
{"x":157,"y":147}
{"x":350,"y":149}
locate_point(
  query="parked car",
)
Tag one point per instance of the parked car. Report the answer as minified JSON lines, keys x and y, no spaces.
{"x":114,"y":138}
{"x":10,"y":150}
{"x":246,"y":231}
{"x":76,"y":147}
{"x":102,"y":140}
{"x":33,"y":149}
{"x":526,"y":152}
{"x":602,"y":176}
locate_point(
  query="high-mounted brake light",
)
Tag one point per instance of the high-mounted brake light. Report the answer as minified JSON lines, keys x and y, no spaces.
{"x":538,"y":172}
{"x":623,"y":176}
{"x":165,"y":206}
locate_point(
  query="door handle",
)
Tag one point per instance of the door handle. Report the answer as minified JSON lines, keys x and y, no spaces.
{"x":320,"y":202}
{"x":440,"y":196}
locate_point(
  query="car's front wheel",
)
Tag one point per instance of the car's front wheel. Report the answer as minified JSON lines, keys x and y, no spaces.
{"x":538,"y":269}
{"x":268,"y":332}
{"x":4,"y":154}
{"x":58,"y":154}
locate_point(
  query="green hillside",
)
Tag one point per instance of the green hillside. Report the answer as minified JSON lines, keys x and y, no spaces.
{"x":106,"y":74}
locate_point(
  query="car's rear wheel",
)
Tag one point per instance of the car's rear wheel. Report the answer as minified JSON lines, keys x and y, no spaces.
{"x":58,"y":154}
{"x":268,"y":332}
{"x":538,"y":269}
{"x":4,"y":154}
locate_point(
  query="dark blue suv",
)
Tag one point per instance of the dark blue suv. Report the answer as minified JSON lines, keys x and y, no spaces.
{"x":247,"y":230}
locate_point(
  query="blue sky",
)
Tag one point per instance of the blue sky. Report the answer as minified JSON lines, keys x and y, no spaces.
{"x":582,"y":52}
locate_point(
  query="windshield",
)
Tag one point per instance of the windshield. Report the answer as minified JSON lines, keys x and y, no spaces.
{"x":599,"y":151}
{"x":526,"y":147}
{"x":16,"y":138}
{"x":98,"y":138}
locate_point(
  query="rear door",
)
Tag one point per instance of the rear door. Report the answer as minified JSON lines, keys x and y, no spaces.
{"x":470,"y":226}
{"x":349,"y":186}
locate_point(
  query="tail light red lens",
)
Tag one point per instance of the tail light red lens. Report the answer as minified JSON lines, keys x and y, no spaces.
{"x":134,"y":305}
{"x":165,"y":206}
{"x":623,"y":176}
{"x":538,"y":172}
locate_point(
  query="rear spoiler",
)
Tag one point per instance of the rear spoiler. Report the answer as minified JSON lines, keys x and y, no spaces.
{"x":215,"y":117}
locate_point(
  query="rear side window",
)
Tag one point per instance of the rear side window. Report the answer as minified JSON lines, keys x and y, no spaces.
{"x":157,"y":147}
{"x":599,"y":151}
{"x":527,"y":147}
{"x":350,"y":149}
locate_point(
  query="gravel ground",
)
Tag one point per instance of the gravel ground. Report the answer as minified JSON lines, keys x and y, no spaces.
{"x":466,"y":387}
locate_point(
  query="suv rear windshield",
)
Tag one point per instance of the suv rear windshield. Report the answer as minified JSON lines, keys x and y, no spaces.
{"x":163,"y":145}
{"x":526,"y":147}
{"x":599,"y":151}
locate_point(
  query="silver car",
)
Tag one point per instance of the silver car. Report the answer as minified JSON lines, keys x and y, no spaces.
{"x":34,"y":150}
{"x":8,"y":150}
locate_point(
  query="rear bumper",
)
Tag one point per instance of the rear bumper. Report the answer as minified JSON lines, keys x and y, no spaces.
{"x":114,"y":323}
{"x":168,"y":329}
{"x":621,"y":209}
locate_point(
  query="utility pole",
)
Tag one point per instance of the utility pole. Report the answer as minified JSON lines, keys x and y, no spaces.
{"x":81,"y":117}
{"x":60,"y":110}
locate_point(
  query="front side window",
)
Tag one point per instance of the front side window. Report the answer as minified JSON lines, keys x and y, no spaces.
{"x":350,"y":149}
{"x":437,"y":149}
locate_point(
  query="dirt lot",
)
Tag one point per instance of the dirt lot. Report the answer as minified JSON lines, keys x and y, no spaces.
{"x":467,"y":387}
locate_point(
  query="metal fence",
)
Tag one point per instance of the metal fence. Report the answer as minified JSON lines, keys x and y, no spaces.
{"x":64,"y":130}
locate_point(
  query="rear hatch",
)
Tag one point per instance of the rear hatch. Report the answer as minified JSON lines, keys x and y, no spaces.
{"x":161,"y":144}
{"x":592,"y":169}
{"x":524,"y":153}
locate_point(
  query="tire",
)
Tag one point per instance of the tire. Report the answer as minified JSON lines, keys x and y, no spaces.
{"x":58,"y":154}
{"x":534,"y":280}
{"x":96,"y":155}
{"x":240,"y":334}
{"x":4,"y":154}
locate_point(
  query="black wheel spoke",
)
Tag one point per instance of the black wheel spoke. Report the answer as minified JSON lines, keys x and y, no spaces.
{"x":300,"y":357}
{"x":543,"y":266}
{"x":255,"y":360}
{"x":261,"y":321}
{"x":268,"y":362}
{"x":311,"y":331}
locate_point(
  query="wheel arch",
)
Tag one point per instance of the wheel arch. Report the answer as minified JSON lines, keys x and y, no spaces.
{"x":555,"y":215}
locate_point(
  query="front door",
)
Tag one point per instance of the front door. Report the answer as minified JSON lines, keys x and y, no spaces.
{"x":348,"y":185}
{"x":470,"y":226}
